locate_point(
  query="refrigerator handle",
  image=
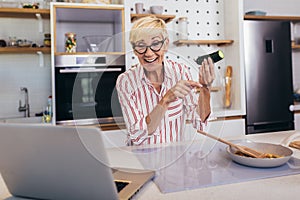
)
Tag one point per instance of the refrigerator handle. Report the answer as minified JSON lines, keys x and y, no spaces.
{"x":269,"y":46}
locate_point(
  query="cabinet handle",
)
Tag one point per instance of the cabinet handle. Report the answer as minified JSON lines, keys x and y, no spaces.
{"x":87,"y":70}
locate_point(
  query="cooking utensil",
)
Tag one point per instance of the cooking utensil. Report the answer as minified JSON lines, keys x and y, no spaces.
{"x":243,"y":149}
{"x":283,"y":151}
{"x":228,"y":80}
{"x":295,"y":144}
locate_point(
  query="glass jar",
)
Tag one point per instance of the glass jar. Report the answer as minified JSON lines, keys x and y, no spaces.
{"x":47,"y":40}
{"x":70,"y":42}
{"x":183,"y":28}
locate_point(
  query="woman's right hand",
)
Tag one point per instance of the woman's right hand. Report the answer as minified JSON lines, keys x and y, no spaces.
{"x":180,"y":90}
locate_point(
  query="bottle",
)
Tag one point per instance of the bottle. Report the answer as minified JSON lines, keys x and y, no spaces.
{"x":70,"y":42}
{"x":183,"y":28}
{"x":49,"y":105}
{"x":47,"y":113}
{"x":215,"y":56}
{"x":47,"y":40}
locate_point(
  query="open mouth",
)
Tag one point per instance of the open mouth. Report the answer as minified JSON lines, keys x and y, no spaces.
{"x":151,"y":60}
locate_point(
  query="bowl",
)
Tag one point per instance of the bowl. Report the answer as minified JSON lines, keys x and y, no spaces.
{"x":256,"y":12}
{"x":158,"y":10}
{"x":283,"y":151}
{"x":97,"y":43}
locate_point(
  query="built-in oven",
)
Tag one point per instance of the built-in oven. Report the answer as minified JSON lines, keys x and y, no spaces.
{"x":85,"y":89}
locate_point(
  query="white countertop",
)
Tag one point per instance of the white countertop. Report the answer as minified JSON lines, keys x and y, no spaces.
{"x":277,"y":188}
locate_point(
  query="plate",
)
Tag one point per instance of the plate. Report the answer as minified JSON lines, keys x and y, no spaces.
{"x":283,"y":151}
{"x":256,"y":12}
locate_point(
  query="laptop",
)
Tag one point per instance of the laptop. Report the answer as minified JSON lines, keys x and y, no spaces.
{"x":63,"y":162}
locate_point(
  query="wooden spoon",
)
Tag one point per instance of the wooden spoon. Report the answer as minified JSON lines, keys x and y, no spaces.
{"x":245,"y":150}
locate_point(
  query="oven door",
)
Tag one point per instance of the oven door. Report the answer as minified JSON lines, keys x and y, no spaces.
{"x":86,"y":94}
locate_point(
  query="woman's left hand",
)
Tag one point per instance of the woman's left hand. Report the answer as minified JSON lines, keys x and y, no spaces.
{"x":207,"y":72}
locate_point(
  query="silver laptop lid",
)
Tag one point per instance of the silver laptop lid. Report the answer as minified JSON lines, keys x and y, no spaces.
{"x":55,"y":162}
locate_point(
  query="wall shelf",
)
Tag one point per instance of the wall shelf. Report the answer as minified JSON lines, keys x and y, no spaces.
{"x":199,"y":42}
{"x":89,"y":53}
{"x":166,"y":18}
{"x":266,"y":17}
{"x":24,"y":12}
{"x":296,"y":46}
{"x":24,"y":50}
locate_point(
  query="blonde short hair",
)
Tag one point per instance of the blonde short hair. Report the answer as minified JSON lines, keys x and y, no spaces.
{"x":146,"y":26}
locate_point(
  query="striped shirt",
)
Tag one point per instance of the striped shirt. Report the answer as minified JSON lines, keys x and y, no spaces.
{"x":138,"y":97}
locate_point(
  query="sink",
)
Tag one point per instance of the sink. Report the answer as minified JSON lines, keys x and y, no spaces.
{"x":32,"y":120}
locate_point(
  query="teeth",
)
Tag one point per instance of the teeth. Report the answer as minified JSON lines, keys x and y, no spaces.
{"x":151,"y":60}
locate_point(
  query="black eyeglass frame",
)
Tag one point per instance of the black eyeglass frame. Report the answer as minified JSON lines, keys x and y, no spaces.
{"x":149,"y":46}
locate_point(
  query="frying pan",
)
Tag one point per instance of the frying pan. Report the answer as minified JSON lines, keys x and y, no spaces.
{"x":283,"y":151}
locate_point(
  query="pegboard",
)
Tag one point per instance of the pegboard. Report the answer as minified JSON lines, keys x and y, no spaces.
{"x":205,"y":22}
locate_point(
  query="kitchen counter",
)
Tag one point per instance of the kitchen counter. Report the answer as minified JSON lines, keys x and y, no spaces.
{"x":270,"y":188}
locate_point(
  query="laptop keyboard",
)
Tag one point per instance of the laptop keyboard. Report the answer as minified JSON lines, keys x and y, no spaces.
{"x":120,"y":185}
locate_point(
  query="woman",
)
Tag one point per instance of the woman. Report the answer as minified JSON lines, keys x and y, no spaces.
{"x":157,"y":95}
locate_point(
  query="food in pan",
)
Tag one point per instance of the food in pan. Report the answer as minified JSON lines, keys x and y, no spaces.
{"x":266,"y":155}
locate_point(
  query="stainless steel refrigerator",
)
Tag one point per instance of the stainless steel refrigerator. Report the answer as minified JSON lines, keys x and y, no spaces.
{"x":269,"y":85}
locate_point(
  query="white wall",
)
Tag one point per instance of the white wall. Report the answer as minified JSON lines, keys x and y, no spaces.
{"x":23,"y":70}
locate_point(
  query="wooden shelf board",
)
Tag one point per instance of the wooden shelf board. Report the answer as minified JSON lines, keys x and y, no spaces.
{"x":24,"y":12}
{"x":199,"y":42}
{"x":296,"y":46}
{"x":166,"y":18}
{"x":89,"y":53}
{"x":266,"y":17}
{"x":28,"y":50}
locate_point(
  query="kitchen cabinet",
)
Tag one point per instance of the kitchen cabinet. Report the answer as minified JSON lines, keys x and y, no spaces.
{"x":84,"y":72}
{"x":87,"y":20}
{"x":21,"y":13}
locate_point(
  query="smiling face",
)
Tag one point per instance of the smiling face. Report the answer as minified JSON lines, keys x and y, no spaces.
{"x":149,"y":39}
{"x":150,"y":51}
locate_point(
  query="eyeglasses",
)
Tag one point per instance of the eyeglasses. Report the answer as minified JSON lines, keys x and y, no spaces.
{"x":155,"y":47}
